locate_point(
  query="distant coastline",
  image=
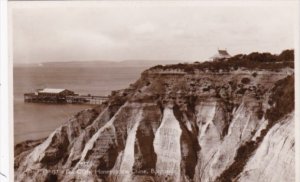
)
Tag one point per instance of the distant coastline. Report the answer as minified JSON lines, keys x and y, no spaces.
{"x":100,"y":63}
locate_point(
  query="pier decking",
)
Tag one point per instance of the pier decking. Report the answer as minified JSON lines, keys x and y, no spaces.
{"x":86,"y":99}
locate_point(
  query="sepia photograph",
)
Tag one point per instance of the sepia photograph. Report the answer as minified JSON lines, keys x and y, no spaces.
{"x":153,"y":91}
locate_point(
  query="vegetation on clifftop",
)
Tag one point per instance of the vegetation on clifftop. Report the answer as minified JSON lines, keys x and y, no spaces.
{"x":251,"y":61}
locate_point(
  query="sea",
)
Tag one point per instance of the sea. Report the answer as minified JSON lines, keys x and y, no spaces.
{"x":36,"y":120}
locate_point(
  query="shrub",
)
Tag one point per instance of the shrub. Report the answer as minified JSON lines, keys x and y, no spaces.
{"x":245,"y":80}
{"x":283,"y":97}
{"x":261,"y":57}
{"x":286,"y":55}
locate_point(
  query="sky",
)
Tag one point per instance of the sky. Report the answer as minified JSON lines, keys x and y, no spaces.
{"x":116,"y":31}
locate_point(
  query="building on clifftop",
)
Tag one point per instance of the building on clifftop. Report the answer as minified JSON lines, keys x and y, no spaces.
{"x":222,"y":54}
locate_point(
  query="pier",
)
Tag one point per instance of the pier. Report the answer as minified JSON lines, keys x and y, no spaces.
{"x":62,"y":96}
{"x":86,"y":99}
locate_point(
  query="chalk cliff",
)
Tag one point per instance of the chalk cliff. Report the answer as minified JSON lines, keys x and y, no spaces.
{"x":175,"y":125}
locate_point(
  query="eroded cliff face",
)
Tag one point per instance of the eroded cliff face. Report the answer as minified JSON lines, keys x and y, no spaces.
{"x":175,"y":127}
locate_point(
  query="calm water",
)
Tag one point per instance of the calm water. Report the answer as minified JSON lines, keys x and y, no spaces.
{"x":33,"y":121}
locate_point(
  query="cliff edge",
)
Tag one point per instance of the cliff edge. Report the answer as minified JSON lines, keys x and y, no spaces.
{"x":231,"y":120}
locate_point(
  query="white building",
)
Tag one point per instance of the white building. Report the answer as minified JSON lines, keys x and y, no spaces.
{"x":222,"y":54}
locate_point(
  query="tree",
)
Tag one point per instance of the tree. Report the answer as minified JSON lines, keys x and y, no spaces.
{"x":286,"y":55}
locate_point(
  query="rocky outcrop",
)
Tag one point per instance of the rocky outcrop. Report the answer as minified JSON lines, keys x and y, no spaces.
{"x":182,"y":127}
